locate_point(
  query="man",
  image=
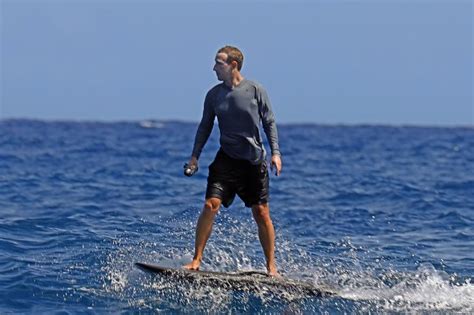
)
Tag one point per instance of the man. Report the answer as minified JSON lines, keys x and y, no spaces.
{"x":239,"y":166}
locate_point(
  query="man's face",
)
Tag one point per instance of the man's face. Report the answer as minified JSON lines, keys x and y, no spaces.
{"x":222,"y":68}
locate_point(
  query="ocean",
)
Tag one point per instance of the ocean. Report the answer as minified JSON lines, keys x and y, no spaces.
{"x":384,"y":215}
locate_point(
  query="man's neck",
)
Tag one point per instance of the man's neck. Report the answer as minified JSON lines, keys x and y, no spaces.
{"x":235,"y":80}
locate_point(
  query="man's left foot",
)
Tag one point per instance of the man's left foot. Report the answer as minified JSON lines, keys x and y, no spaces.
{"x":193,"y":265}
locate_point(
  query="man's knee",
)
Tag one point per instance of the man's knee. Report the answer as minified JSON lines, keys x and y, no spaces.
{"x":261,"y":213}
{"x":212,"y":205}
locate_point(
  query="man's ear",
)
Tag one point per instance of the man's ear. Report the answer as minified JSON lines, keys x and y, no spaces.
{"x":234,"y":64}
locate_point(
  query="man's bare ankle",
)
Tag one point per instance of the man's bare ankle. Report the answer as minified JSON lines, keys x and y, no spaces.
{"x":272,"y":270}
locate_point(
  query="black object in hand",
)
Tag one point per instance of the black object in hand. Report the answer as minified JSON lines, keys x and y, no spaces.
{"x":189,"y":171}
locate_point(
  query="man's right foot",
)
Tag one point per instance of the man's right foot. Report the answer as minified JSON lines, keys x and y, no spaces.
{"x":272,"y":272}
{"x":193,"y":265}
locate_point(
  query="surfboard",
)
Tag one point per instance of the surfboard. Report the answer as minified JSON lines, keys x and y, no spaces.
{"x":242,"y":280}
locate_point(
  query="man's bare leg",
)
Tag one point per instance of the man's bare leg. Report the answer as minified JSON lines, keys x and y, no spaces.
{"x":266,"y":233}
{"x":203,"y":231}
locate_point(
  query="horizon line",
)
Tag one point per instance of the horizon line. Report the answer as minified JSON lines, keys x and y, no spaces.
{"x":144,"y":122}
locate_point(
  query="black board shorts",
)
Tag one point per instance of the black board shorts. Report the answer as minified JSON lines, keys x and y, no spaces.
{"x":229,"y":177}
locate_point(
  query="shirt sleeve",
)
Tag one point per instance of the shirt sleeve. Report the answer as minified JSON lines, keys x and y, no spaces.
{"x":205,"y":126}
{"x":268,"y":120}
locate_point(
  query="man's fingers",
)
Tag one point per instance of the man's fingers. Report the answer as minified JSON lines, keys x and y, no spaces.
{"x":274,"y":166}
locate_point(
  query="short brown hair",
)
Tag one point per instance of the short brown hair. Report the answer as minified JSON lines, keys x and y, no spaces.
{"x":233,"y":54}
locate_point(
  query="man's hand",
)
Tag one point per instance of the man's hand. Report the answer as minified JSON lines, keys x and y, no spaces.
{"x":191,"y":167}
{"x":276,"y":162}
{"x":193,"y":163}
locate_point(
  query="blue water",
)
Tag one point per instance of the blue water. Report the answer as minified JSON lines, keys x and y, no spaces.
{"x":382,"y":215}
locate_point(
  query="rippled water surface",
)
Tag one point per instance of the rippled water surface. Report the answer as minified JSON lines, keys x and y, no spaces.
{"x":382,"y":215}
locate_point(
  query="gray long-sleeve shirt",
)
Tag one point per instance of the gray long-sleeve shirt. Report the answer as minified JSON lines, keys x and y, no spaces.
{"x":239,"y":111}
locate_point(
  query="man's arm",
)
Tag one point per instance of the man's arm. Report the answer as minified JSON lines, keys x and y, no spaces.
{"x":203,"y":131}
{"x":270,"y":128}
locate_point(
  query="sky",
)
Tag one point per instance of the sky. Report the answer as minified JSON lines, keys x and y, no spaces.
{"x":393,"y":62}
